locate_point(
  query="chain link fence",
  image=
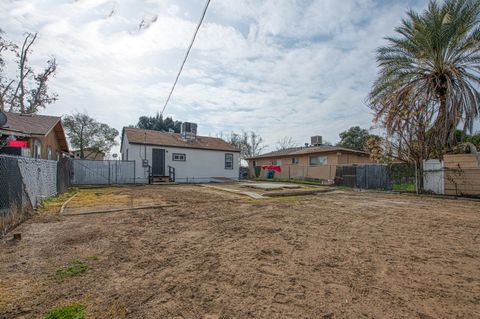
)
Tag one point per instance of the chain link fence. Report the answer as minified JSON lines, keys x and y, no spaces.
{"x":366,"y":176}
{"x":15,"y":205}
{"x":24,"y":183}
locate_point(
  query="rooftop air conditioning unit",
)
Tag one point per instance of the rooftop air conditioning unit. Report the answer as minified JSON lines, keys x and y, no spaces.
{"x":316,"y":140}
{"x":188,"y":130}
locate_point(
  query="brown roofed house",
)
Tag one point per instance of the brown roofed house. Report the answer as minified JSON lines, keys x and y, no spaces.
{"x":314,"y":161}
{"x":180,"y":157}
{"x":32,"y":135}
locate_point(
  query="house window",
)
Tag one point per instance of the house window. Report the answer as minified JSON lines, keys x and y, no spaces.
{"x":49,"y":152}
{"x":318,"y":160}
{"x":126,"y":155}
{"x":228,"y":161}
{"x":179,"y":157}
{"x":278,"y":162}
{"x":295,"y":160}
{"x":37,"y":149}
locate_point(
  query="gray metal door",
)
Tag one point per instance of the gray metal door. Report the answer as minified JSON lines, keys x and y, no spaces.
{"x":158,"y":162}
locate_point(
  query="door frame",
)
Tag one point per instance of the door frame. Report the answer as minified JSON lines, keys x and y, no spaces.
{"x":162,"y":168}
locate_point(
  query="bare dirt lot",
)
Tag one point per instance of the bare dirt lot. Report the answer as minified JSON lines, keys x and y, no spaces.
{"x":212,"y":254}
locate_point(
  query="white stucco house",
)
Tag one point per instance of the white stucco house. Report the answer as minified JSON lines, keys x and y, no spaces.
{"x":181,"y":157}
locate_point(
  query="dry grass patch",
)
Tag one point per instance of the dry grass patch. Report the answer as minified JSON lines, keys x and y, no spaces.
{"x":52,"y":205}
{"x":93,"y":197}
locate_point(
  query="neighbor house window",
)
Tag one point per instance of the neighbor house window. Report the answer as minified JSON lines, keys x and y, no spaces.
{"x":318,"y":160}
{"x":49,"y":152}
{"x":278,"y":162}
{"x":126,"y":154}
{"x":179,"y":157}
{"x":37,"y":149}
{"x":295,"y":160}
{"x":228,"y":161}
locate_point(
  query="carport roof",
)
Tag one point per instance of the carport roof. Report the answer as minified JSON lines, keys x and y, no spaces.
{"x":151,"y":137}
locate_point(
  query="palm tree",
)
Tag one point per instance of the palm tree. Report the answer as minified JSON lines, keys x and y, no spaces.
{"x":430,"y":73}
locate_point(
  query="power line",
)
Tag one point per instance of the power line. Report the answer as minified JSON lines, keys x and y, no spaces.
{"x":186,"y":55}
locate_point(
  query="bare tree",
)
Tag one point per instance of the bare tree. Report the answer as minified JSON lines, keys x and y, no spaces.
{"x":286,"y":143}
{"x":5,"y":84}
{"x":28,"y":91}
{"x":250,"y":143}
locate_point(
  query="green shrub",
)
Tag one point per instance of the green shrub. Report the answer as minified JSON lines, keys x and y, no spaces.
{"x":74,"y":311}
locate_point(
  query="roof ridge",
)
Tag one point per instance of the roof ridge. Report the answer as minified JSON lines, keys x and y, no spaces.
{"x":32,"y":115}
{"x":165,"y":132}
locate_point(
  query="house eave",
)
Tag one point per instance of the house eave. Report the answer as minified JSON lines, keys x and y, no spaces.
{"x":186,"y":147}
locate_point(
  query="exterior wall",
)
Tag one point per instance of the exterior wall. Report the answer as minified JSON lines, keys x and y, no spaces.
{"x":48,"y":140}
{"x":462,"y":174}
{"x":199,"y":166}
{"x":304,"y":170}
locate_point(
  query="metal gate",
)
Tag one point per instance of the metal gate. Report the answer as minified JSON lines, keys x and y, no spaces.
{"x":91,"y":172}
{"x":375,"y":176}
{"x":367,"y":176}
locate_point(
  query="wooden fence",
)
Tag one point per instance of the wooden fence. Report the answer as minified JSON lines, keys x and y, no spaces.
{"x":462,"y":174}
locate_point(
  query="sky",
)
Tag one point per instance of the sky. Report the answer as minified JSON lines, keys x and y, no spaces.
{"x":280,"y":68}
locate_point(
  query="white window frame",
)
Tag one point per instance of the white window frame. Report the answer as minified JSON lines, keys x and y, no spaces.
{"x":321,"y":160}
{"x":179,"y":157}
{"x":37,"y":149}
{"x":49,"y":152}
{"x":228,"y":161}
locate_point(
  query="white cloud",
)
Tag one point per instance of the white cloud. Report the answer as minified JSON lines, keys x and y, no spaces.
{"x":295,"y":68}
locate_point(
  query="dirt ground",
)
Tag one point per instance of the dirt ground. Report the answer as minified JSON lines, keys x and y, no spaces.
{"x":212,"y":254}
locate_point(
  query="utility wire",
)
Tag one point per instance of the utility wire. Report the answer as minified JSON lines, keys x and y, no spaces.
{"x":186,"y":56}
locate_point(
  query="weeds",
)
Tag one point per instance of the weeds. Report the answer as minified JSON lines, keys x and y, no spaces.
{"x":74,"y":269}
{"x":74,"y":311}
{"x":53,"y":204}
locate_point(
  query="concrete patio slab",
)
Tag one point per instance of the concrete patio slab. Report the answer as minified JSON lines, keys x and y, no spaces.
{"x":270,"y":186}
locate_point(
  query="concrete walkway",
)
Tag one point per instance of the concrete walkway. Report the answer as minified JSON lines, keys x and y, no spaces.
{"x":236,"y":191}
{"x":269,"y":186}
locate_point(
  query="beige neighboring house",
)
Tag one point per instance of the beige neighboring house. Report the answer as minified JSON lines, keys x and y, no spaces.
{"x":315,"y":161}
{"x":89,"y":154}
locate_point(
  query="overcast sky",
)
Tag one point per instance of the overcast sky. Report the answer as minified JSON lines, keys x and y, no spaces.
{"x":282,"y":68}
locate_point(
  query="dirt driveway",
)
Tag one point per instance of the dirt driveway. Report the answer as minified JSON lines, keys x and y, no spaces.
{"x":210,"y":254}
